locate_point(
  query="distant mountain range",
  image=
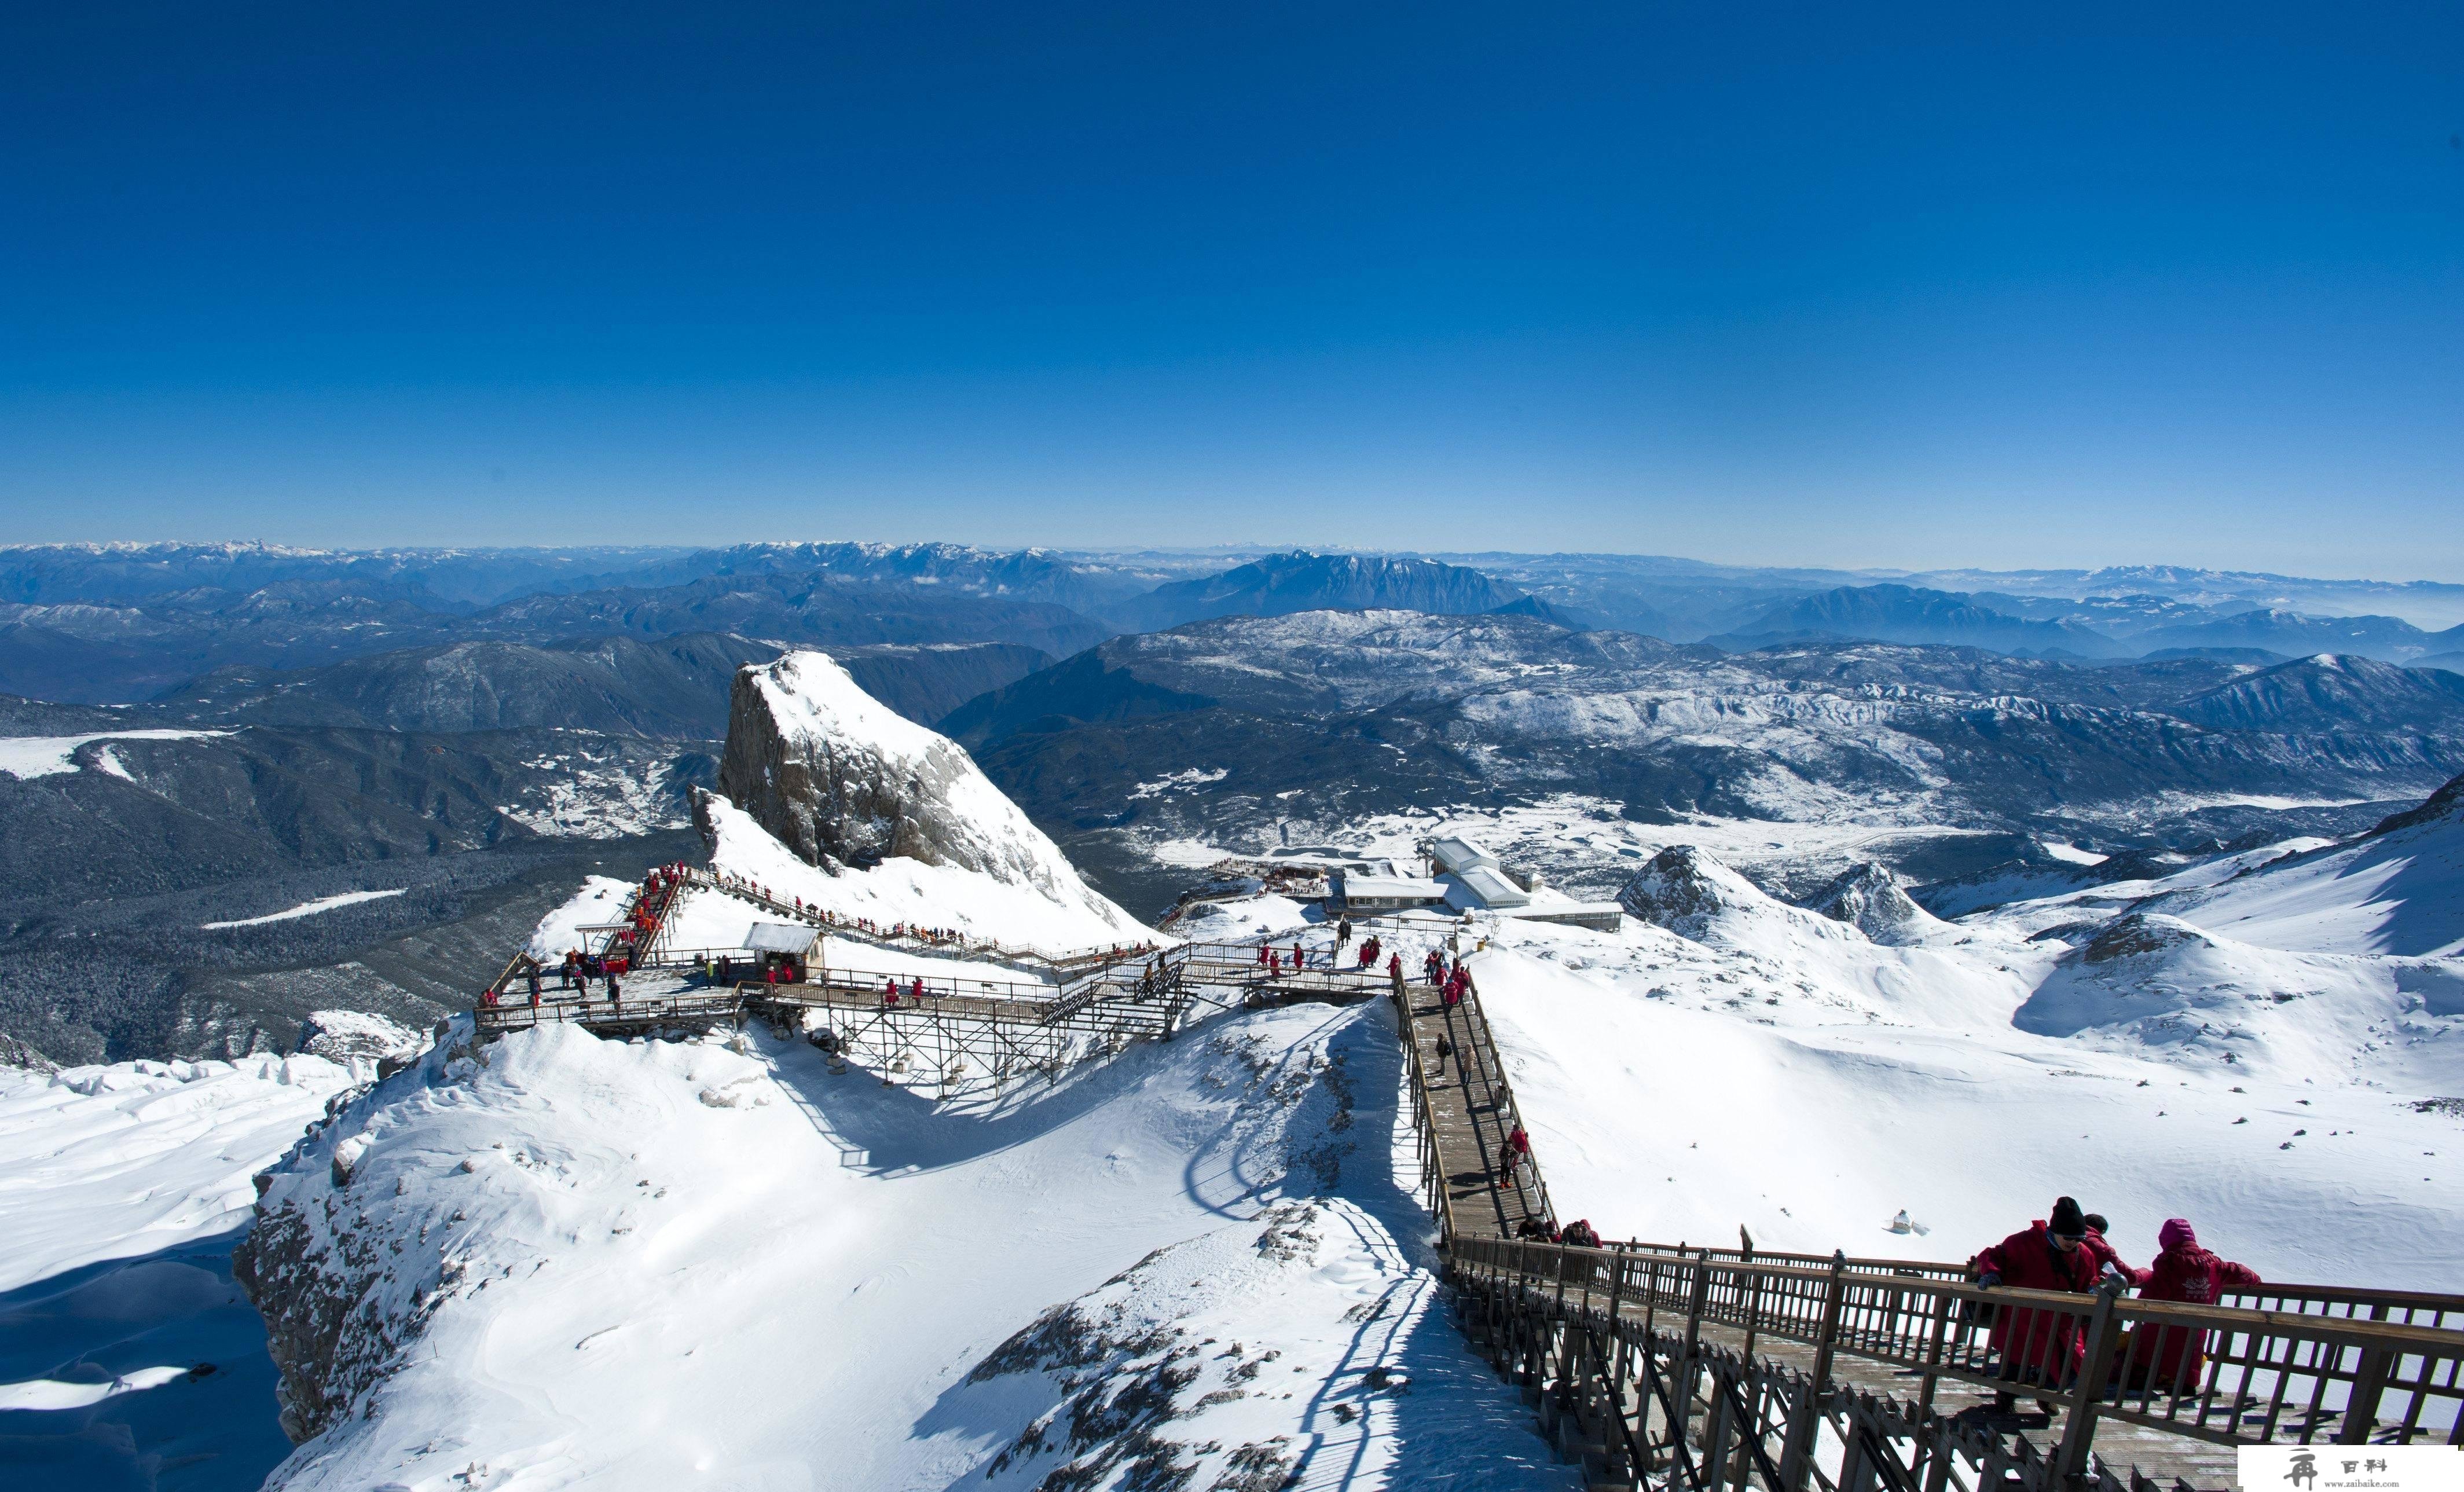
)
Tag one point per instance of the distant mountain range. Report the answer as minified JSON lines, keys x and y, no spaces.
{"x":117,"y":623}
{"x":2100,"y":627}
{"x":1905,"y":614}
{"x":1282,"y":584}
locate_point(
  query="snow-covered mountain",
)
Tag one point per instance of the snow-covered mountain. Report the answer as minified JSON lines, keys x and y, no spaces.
{"x":2397,"y":891}
{"x":1321,"y":720}
{"x":573,"y":1261}
{"x":850,"y":788}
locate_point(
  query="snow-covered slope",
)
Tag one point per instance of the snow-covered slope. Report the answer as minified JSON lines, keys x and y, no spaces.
{"x":2399,"y":889}
{"x":2293,"y":1098}
{"x":1671,"y":1123}
{"x":2157,"y":984}
{"x":839,"y":781}
{"x":1701,"y":926}
{"x":563,"y":1262}
{"x":128,"y":1357}
{"x":900,"y":889}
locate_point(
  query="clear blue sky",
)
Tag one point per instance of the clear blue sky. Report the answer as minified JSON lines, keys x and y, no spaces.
{"x":1983,"y":284}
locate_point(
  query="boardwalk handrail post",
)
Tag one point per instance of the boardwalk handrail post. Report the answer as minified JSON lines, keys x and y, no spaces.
{"x":1686,"y":1367}
{"x":1617,"y":1315}
{"x":2370,"y":1381}
{"x":2079,"y":1434}
{"x":1749,"y":1292}
{"x":1805,"y":1417}
{"x":1937,"y":1343}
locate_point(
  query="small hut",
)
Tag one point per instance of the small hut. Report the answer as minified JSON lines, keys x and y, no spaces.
{"x":783,"y":946}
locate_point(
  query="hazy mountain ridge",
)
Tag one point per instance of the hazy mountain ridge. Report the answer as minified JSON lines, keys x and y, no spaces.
{"x":1892,"y":613}
{"x":1281,"y":584}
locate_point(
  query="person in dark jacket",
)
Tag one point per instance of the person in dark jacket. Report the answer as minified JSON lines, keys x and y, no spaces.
{"x":2174,"y":1357}
{"x":2040,"y":1347}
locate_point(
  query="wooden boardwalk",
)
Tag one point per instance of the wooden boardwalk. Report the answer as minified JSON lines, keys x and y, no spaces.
{"x":1472,"y":1111}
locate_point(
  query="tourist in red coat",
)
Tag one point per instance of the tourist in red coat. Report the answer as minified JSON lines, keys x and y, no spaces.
{"x":2040,"y":1347}
{"x":2161,"y":1357}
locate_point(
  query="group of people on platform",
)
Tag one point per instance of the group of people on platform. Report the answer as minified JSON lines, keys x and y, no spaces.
{"x":2067,"y":1251}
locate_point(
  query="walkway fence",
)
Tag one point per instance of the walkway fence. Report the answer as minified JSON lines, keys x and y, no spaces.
{"x":1686,"y":1368}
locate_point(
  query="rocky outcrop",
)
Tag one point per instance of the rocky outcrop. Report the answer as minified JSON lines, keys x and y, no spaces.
{"x":842,"y":782}
{"x":1679,"y":889}
{"x":2142,"y":933}
{"x":326,"y":1275}
{"x":1867,"y":898}
{"x":2447,"y":803}
{"x":14,"y":1053}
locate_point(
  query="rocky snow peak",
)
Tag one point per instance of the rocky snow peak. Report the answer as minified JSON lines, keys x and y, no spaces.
{"x":1694,"y":896}
{"x":1868,"y":898}
{"x":844,"y":783}
{"x":842,"y":780}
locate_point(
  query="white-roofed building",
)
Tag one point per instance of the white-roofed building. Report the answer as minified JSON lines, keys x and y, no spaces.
{"x":1357,"y":893}
{"x":1453,"y":855}
{"x":1485,"y":887}
{"x":785,"y":946}
{"x":781,"y":938}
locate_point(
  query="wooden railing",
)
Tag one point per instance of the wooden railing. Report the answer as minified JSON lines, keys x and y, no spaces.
{"x":1478,"y":1039}
{"x":2222,"y":1375}
{"x":1424,"y":1121}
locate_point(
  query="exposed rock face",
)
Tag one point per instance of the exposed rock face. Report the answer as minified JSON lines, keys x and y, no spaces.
{"x":842,"y":782}
{"x":1866,"y":897}
{"x":14,"y":1053}
{"x":1683,"y":890}
{"x":328,"y":1279}
{"x":2143,"y":933}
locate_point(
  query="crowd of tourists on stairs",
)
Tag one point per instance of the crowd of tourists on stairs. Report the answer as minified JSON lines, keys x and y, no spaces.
{"x":2068,"y":1252}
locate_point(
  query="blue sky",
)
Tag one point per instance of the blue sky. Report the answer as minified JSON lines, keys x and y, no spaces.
{"x":1961,"y":285}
